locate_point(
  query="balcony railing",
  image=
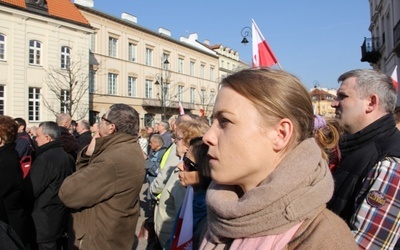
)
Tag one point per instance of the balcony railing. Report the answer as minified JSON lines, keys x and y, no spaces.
{"x":396,"y":38}
{"x":370,"y":50}
{"x":168,"y":104}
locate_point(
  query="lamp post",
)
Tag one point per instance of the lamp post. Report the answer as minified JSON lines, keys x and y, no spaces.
{"x":245,"y":32}
{"x":318,"y":93}
{"x":164,"y":86}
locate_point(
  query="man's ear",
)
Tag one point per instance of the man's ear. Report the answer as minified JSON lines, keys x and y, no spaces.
{"x":373,"y":103}
{"x":284,"y":131}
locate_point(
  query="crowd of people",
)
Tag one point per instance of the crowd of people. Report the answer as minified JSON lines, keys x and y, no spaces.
{"x":267,"y":173}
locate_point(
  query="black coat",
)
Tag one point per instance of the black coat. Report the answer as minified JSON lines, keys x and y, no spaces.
{"x":84,"y":139}
{"x":11,"y":190}
{"x":51,"y":167}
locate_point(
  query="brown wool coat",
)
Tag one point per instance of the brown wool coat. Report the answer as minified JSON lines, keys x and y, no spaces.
{"x":104,"y":191}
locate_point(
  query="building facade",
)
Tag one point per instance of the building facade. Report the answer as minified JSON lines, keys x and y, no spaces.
{"x":39,"y":43}
{"x":322,"y":99}
{"x":150,"y":71}
{"x":382,"y":49}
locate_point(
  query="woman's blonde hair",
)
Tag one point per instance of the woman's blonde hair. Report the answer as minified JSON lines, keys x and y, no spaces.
{"x":276,"y":94}
{"x":192,"y":129}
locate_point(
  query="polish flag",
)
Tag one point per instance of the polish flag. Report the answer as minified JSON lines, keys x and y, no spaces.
{"x":183,"y":234}
{"x":181,"y":110}
{"x":262,"y":53}
{"x":394,"y":79}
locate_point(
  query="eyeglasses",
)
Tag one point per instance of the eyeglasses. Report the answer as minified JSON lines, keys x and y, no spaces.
{"x":105,"y":119}
{"x":189,"y":165}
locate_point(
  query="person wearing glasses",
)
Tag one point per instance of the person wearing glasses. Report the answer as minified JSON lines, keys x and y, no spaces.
{"x":270,"y":181}
{"x":173,"y":193}
{"x":104,"y":190}
{"x":194,"y":174}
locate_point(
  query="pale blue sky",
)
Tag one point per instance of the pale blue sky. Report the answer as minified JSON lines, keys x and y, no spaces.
{"x":315,"y":40}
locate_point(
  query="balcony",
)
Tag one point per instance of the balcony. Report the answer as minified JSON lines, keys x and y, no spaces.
{"x":370,"y":50}
{"x":396,"y":38}
{"x":156,"y":103}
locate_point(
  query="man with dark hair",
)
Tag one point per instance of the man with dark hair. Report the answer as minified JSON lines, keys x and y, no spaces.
{"x":85,"y":136}
{"x":48,"y":171}
{"x":23,"y":144}
{"x":104,"y":190}
{"x":72,"y":129}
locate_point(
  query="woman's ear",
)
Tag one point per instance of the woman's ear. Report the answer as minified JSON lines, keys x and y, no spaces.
{"x":284,"y":131}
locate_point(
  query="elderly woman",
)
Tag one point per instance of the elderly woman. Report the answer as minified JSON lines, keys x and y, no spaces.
{"x":270,"y":182}
{"x":11,"y":178}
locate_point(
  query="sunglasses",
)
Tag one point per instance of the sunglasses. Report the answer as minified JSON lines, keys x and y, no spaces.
{"x":189,"y":165}
{"x":105,"y":119}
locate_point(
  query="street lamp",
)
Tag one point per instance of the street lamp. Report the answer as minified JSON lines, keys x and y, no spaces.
{"x":245,"y":32}
{"x":164,"y":87}
{"x":318,"y":93}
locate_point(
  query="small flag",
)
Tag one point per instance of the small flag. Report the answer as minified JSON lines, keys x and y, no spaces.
{"x":183,"y":234}
{"x":262,"y":53}
{"x":181,"y":110}
{"x":394,"y":79}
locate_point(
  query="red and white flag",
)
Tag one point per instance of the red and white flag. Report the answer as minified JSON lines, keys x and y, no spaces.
{"x":394,"y":79}
{"x":262,"y":53}
{"x":181,"y":110}
{"x":183,"y":234}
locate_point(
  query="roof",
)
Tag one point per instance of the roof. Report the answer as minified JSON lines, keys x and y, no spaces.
{"x":59,"y":9}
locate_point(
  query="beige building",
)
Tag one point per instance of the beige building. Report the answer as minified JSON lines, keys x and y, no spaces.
{"x":39,"y":39}
{"x":322,"y":99}
{"x":151,"y":71}
{"x":382,"y":49}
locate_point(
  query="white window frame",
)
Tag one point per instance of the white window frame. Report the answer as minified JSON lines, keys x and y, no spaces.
{"x":132,"y":52}
{"x":93,"y":42}
{"x":65,"y":57}
{"x":180,"y":93}
{"x":192,"y":64}
{"x":192,"y":94}
{"x":180,"y":65}
{"x":149,"y":57}
{"x":202,"y":67}
{"x":211,"y":74}
{"x":64,"y":100}
{"x":203,"y":95}
{"x":2,"y":99}
{"x":132,"y":86}
{"x":34,"y":104}
{"x":35,"y":52}
{"x":3,"y":40}
{"x":112,"y":46}
{"x":112,"y":83}
{"x":92,"y":81}
{"x":148,"y":89}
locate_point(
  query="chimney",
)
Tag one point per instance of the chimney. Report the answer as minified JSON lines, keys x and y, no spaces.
{"x":86,"y":3}
{"x":128,"y":17}
{"x":207,"y":42}
{"x":163,"y":31}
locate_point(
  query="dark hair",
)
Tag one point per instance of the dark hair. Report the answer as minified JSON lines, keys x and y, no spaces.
{"x":51,"y":129}
{"x":8,"y":129}
{"x":125,"y":118}
{"x":21,"y":122}
{"x":200,"y":154}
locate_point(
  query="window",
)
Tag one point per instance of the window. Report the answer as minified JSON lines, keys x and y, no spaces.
{"x":65,"y":57}
{"x":34,"y":104}
{"x":112,"y":46}
{"x":180,"y":65}
{"x":148,"y":89}
{"x":92,"y":42}
{"x":165,"y":58}
{"x":212,"y":96}
{"x":131,"y":86}
{"x":202,"y":70}
{"x":192,"y":68}
{"x":149,"y":57}
{"x":1,"y":100}
{"x":92,"y":81}
{"x":132,"y":52}
{"x":112,"y":84}
{"x":34,"y":52}
{"x":64,"y":101}
{"x":192,"y":95}
{"x":180,"y":93}
{"x":228,"y":65}
{"x":2,"y":47}
{"x":203,"y":96}
{"x":211,"y":74}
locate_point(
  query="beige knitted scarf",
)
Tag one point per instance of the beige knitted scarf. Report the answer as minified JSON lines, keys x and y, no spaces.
{"x":293,"y":192}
